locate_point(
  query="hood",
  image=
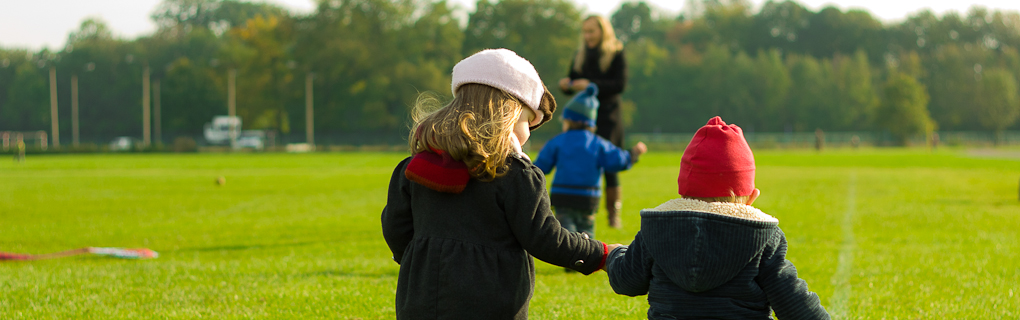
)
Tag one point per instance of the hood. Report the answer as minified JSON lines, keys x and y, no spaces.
{"x":701,"y":245}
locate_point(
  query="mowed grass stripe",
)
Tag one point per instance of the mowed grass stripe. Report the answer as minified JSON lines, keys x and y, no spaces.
{"x":844,"y":290}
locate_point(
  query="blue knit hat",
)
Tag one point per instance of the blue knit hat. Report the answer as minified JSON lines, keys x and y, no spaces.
{"x":584,"y":106}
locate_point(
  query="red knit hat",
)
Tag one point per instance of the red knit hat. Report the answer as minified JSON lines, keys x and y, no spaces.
{"x":716,"y":161}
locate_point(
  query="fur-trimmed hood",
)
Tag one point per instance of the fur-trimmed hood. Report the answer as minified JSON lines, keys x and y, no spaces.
{"x":702,"y":245}
{"x":723,"y":208}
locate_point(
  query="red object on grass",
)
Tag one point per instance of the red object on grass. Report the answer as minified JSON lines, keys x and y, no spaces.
{"x":14,"y":256}
{"x":132,"y":253}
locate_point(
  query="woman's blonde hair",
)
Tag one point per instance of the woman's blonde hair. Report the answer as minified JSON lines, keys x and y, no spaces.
{"x":474,"y":128}
{"x":608,"y":47}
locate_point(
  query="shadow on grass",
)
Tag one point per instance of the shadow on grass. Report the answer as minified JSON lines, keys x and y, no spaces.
{"x":955,"y":202}
{"x":366,"y":274}
{"x":248,"y":247}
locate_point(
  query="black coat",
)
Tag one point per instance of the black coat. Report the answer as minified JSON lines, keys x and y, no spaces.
{"x":609,"y":122}
{"x":466,"y":255}
{"x":700,"y":260}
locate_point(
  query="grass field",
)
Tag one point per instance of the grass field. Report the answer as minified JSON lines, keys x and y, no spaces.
{"x":878,"y":234}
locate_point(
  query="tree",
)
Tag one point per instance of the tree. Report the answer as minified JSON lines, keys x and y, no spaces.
{"x":727,"y":22}
{"x":371,"y":58}
{"x":771,"y":87}
{"x":109,"y":71}
{"x":783,"y":68}
{"x":636,"y":20}
{"x":27,"y":97}
{"x":648,"y":66}
{"x":904,"y":108}
{"x":779,"y":25}
{"x":810,"y":95}
{"x":544,"y":32}
{"x":11,"y":116}
{"x":220,"y":15}
{"x":191,"y":95}
{"x":260,"y":54}
{"x":185,"y":13}
{"x":854,"y":100}
{"x":915,"y":33}
{"x":997,"y":102}
{"x":833,"y":32}
{"x":737,"y":99}
{"x":714,"y":83}
{"x":91,"y":30}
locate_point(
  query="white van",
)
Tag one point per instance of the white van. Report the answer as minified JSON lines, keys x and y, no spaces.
{"x":223,"y":130}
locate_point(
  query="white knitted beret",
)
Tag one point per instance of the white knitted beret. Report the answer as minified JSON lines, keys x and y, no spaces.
{"x":504,"y":69}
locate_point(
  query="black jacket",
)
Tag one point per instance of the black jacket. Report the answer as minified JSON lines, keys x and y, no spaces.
{"x":701,"y":260}
{"x":466,"y":255}
{"x":609,"y":122}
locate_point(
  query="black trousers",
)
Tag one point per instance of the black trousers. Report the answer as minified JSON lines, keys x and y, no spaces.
{"x":609,"y":125}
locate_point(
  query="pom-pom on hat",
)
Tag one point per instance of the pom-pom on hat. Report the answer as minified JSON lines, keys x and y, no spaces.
{"x":716,"y":162}
{"x":505,"y":70}
{"x":584,"y":107}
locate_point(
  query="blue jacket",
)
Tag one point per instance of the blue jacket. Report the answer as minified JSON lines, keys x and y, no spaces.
{"x":711,"y":260}
{"x":581,"y":157}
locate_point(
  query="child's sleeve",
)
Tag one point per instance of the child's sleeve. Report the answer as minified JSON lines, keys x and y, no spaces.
{"x":788,"y":294}
{"x":612,"y":158}
{"x":547,"y":157}
{"x":531,"y":220}
{"x":630,"y":269}
{"x":397,"y":224}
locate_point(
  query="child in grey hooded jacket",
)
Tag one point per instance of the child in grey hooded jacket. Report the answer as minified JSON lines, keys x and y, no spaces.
{"x":710,"y":254}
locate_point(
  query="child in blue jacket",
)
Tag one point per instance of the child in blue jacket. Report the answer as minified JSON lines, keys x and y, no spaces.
{"x":582,"y":157}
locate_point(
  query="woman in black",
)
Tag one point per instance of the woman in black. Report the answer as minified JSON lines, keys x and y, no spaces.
{"x":600,"y":60}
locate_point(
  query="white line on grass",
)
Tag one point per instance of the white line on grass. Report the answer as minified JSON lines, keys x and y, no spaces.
{"x":841,"y":279}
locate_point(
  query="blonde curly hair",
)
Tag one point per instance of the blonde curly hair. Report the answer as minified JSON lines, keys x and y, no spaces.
{"x":474,"y":128}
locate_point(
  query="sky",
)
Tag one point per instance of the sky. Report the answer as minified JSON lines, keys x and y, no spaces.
{"x":35,"y":24}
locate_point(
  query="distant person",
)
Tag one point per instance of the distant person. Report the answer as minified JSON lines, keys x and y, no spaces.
{"x":465,"y":214}
{"x":710,"y":254}
{"x":599,"y":60}
{"x":819,"y":139}
{"x":579,"y":158}
{"x":20,"y":156}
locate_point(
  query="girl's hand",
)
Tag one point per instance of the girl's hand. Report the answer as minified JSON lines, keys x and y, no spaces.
{"x":609,"y":248}
{"x":579,"y":84}
{"x":565,"y":84}
{"x":612,"y":246}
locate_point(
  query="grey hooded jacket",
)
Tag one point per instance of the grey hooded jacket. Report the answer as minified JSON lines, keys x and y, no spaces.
{"x":711,"y":260}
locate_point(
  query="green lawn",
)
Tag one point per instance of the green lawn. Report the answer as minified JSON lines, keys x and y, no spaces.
{"x":877,"y":234}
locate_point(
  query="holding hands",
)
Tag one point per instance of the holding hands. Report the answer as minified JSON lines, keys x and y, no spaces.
{"x":610,"y":248}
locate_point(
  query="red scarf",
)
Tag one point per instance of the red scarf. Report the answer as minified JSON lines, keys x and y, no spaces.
{"x":438,"y":171}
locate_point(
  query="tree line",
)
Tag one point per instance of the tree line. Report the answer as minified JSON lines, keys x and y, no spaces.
{"x":784,"y":68}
